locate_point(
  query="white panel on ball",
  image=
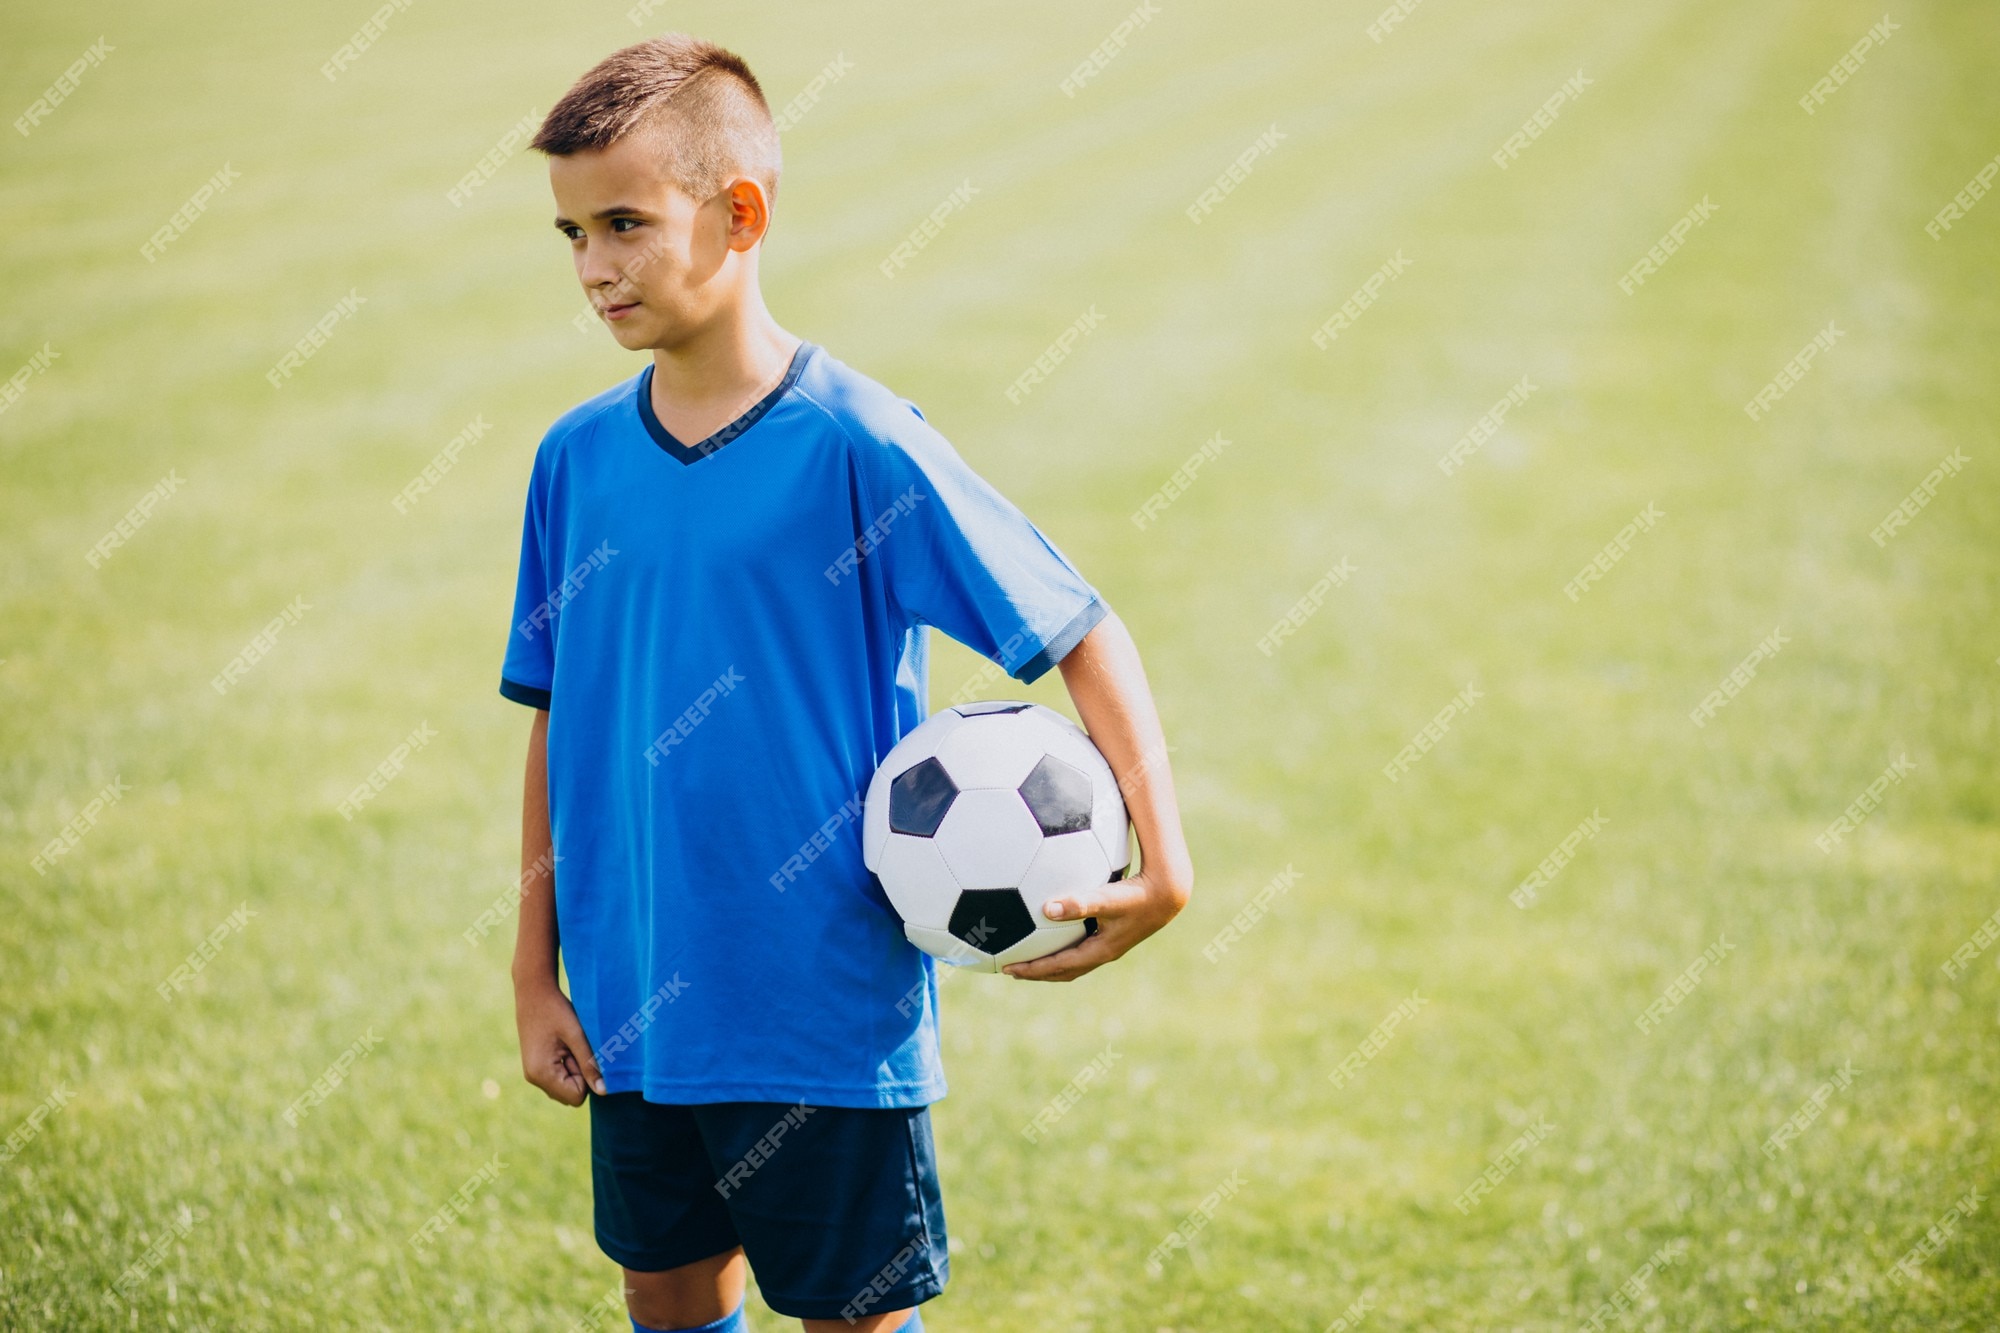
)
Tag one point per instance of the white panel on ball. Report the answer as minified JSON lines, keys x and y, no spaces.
{"x":920,"y":885}
{"x":988,"y":838}
{"x":994,"y":750}
{"x":948,"y":948}
{"x":1068,"y":863}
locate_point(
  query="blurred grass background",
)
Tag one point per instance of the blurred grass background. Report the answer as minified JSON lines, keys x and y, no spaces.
{"x":1222,"y":1066}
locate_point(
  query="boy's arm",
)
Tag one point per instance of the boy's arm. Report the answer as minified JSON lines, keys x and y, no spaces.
{"x":1108,"y":685}
{"x":555,"y":1055}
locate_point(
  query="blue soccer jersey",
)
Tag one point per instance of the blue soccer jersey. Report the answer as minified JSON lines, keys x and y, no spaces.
{"x":729,"y":637}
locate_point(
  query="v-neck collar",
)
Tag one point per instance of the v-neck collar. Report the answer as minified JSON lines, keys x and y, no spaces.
{"x":691,"y":454}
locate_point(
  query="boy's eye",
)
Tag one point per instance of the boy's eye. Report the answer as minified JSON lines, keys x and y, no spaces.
{"x":622,"y":224}
{"x":572,"y":233}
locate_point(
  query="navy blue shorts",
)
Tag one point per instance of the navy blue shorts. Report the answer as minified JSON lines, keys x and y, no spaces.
{"x":837,"y":1208}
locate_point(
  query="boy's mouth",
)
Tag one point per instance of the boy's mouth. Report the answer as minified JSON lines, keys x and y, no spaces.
{"x":618,"y":309}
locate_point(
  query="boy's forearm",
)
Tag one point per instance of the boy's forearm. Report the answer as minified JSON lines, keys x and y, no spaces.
{"x":535,"y":939}
{"x":1107,"y":682}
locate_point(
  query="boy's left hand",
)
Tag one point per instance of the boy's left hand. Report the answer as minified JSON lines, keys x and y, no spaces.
{"x":1127,"y":911}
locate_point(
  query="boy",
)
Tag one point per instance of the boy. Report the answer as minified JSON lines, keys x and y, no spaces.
{"x":722,"y":633}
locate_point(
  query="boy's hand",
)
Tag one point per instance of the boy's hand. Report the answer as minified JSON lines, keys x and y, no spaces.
{"x":1127,"y":911}
{"x":555,"y":1056}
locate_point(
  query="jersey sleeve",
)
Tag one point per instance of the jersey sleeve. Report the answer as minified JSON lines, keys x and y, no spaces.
{"x":527,"y":671}
{"x":959,"y":555}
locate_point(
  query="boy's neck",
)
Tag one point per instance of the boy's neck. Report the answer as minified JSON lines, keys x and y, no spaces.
{"x":737,"y":358}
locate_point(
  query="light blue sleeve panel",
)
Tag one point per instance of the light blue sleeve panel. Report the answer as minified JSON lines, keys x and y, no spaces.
{"x":959,"y":555}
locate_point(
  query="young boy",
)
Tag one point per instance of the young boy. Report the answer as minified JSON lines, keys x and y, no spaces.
{"x":728,"y":570}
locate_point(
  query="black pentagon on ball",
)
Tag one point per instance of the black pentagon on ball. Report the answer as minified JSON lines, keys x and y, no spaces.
{"x":1058,"y":795}
{"x":984,"y":707}
{"x":991,"y":919}
{"x":919,"y":797}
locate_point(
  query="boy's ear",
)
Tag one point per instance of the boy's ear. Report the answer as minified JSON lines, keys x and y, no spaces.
{"x":749,"y":213}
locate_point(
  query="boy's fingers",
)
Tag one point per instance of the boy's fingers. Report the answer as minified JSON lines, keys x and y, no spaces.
{"x":1113,"y":899}
{"x":582,"y":1059}
{"x":1066,"y":964}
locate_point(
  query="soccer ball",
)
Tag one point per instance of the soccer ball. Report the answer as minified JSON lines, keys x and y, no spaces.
{"x":982,"y":814}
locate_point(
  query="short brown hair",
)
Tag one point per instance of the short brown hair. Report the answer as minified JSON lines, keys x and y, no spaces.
{"x":700,"y":102}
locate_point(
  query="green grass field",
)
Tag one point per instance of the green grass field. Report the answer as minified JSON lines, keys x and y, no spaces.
{"x":169,"y":1161}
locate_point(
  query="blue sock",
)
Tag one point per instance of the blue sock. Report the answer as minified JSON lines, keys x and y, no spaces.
{"x":732,"y":1323}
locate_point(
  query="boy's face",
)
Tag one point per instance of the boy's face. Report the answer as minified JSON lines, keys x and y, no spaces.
{"x":657,"y":264}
